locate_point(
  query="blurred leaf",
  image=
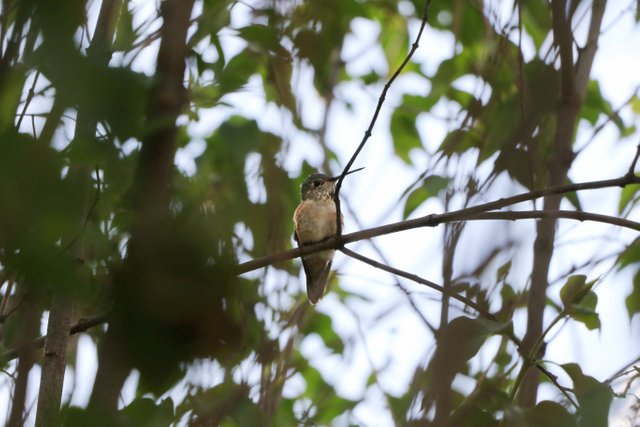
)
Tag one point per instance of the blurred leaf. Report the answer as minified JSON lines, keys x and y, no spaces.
{"x":536,"y":19}
{"x":544,"y":414}
{"x":12,"y":88}
{"x":431,"y":187}
{"x":594,"y":103}
{"x":628,"y":197}
{"x":97,"y":89}
{"x":594,"y":397}
{"x":459,"y":141}
{"x":403,"y":128}
{"x":469,"y":25}
{"x":125,"y":35}
{"x":394,"y":40}
{"x":635,"y":104}
{"x":40,"y":213}
{"x":550,"y":414}
{"x":573,"y":198}
{"x":225,"y":404}
{"x":228,"y":79}
{"x":332,"y":407}
{"x":580,"y":301}
{"x":503,"y":271}
{"x":630,"y":255}
{"x":263,"y":36}
{"x":543,"y":85}
{"x":585,"y":311}
{"x":633,"y":300}
{"x":457,"y":342}
{"x":144,"y":412}
{"x":517,"y":163}
{"x":322,"y":325}
{"x":574,"y":289}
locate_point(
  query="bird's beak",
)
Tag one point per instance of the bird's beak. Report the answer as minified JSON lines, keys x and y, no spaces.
{"x":335,"y":178}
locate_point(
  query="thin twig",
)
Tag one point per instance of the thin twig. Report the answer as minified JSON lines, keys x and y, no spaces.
{"x":80,"y":326}
{"x":27,"y":101}
{"x":484,"y":313}
{"x":554,"y":379}
{"x":398,"y":284}
{"x":631,"y":172}
{"x":418,"y":279}
{"x":622,"y":370}
{"x":87,"y":216}
{"x":368,"y":132}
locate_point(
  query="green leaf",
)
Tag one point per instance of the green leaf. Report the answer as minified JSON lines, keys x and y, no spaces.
{"x":579,"y":301}
{"x":536,"y":19}
{"x":125,"y":35}
{"x":594,"y":397}
{"x":633,"y":300}
{"x":332,"y":407}
{"x":631,"y":255}
{"x":549,"y":414}
{"x":403,"y":128}
{"x":394,"y":40}
{"x":572,"y":197}
{"x":228,"y":403}
{"x":431,"y":187}
{"x":144,"y":412}
{"x":585,"y":311}
{"x":322,"y":324}
{"x":517,"y":163}
{"x":503,"y":271}
{"x":594,"y":103}
{"x":573,"y":290}
{"x":458,"y":342}
{"x":263,"y":36}
{"x":635,"y":102}
{"x":627,"y":197}
{"x":459,"y":141}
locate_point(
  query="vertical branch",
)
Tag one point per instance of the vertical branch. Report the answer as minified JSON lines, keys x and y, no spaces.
{"x":451,"y":238}
{"x":57,"y":339}
{"x":573,"y":80}
{"x":29,"y":313}
{"x":54,"y":361}
{"x":151,"y":187}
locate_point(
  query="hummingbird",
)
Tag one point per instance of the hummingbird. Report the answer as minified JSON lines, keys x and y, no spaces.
{"x":315,"y":220}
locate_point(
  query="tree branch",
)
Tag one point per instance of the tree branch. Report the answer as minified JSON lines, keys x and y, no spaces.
{"x":383,"y":95}
{"x":484,"y":313}
{"x":577,"y":215}
{"x":398,"y":284}
{"x":80,"y":326}
{"x":432,"y":220}
{"x":420,"y":280}
{"x":573,"y":84}
{"x":151,"y":194}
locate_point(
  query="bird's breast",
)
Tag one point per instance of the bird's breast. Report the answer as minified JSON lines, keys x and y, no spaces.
{"x":315,"y":220}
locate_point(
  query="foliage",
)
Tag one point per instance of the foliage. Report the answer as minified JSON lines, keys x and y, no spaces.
{"x":74,"y":115}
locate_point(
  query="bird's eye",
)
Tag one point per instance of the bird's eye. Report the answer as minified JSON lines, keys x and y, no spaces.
{"x":316,"y":183}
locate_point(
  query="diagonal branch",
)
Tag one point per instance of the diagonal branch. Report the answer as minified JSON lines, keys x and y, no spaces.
{"x":432,"y":220}
{"x":80,"y":326}
{"x":383,"y":95}
{"x":420,"y":280}
{"x":484,"y":313}
{"x":398,"y":284}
